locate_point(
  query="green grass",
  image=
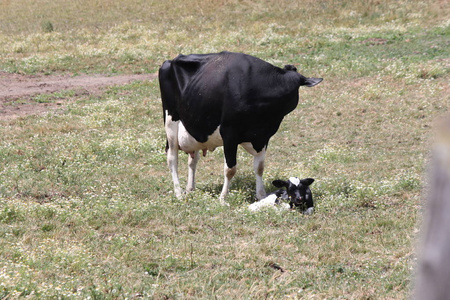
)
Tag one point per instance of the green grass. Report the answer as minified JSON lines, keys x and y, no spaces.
{"x":86,"y":201}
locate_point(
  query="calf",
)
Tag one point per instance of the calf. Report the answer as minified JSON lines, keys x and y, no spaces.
{"x":225,"y":99}
{"x":297,"y":192}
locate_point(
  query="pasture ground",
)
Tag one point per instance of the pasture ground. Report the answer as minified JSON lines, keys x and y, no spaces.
{"x":86,"y":202}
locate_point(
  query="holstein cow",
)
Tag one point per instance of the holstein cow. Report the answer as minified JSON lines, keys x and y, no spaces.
{"x":225,"y":99}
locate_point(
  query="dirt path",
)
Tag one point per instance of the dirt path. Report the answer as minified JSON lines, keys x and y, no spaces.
{"x":15,"y":86}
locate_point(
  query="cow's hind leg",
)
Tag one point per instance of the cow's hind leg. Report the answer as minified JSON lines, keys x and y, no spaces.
{"x":258,"y":167}
{"x":172,"y":152}
{"x":192,"y":164}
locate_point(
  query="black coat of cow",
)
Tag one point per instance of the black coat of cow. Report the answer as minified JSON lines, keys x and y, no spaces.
{"x":244,"y":96}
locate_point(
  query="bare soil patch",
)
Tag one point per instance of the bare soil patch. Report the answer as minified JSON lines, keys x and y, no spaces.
{"x":15,"y":86}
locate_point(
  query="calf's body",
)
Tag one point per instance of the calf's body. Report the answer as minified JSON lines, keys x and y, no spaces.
{"x":224,"y":99}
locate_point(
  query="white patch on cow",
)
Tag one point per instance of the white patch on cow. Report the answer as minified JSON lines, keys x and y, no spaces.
{"x":268,"y":202}
{"x":189,"y":144}
{"x":295,"y":181}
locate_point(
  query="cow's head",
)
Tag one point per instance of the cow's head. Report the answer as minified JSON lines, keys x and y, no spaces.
{"x":309,"y":82}
{"x":298,"y":192}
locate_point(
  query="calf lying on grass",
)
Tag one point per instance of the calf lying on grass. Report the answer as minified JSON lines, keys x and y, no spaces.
{"x":297,"y":192}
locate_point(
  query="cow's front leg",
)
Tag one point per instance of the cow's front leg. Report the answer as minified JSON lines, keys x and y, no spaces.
{"x":229,"y":169}
{"x":228,"y":174}
{"x":258,"y":167}
{"x":192,"y":164}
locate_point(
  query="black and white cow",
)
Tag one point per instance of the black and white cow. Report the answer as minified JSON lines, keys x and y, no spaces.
{"x":225,"y":99}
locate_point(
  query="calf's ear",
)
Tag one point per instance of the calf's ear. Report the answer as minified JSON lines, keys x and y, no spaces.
{"x":307,"y":181}
{"x":280,"y":183}
{"x":310,"y":82}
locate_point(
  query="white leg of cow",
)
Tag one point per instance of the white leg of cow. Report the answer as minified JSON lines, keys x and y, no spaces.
{"x":258,"y":167}
{"x":172,"y":161}
{"x":228,"y":174}
{"x":192,"y":164}
{"x":172,"y":153}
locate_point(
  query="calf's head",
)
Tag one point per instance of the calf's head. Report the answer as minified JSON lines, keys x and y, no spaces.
{"x":298,"y":192}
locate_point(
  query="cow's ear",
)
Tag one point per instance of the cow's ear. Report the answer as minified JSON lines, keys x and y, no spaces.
{"x":290,"y":68}
{"x":310,"y":82}
{"x":280,"y":183}
{"x":307,"y":181}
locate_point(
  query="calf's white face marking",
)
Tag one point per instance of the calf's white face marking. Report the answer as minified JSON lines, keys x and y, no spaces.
{"x":295,"y":181}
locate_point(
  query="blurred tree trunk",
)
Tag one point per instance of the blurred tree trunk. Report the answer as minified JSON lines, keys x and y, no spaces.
{"x":433,"y":278}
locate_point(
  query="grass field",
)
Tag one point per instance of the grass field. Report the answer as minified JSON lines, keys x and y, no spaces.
{"x":86,"y":202}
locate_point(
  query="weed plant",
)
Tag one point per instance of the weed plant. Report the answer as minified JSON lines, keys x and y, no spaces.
{"x":86,"y":202}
